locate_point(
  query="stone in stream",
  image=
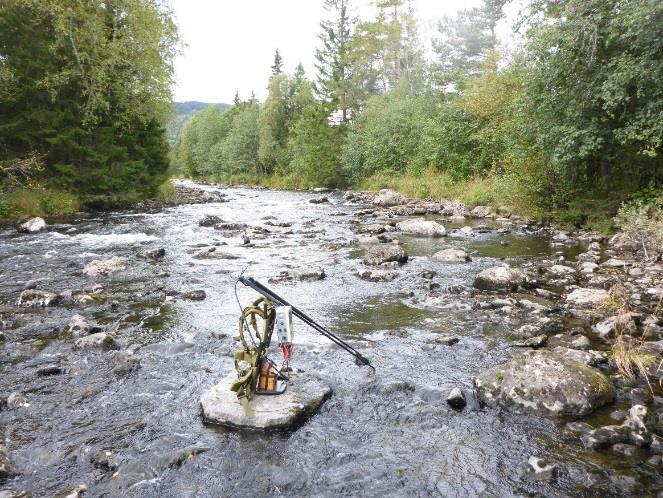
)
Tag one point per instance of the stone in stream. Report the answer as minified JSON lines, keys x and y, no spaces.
{"x":31,"y":298}
{"x":377,"y":275}
{"x":561,"y":271}
{"x":545,"y":382}
{"x":541,"y":469}
{"x":533,"y":342}
{"x":319,"y":200}
{"x":304,"y":395}
{"x":99,"y":267}
{"x":421,"y":228}
{"x":154,"y":253}
{"x":385,"y":253}
{"x":451,"y":256}
{"x":209,"y":220}
{"x":7,"y":467}
{"x":633,"y":430}
{"x":98,"y":340}
{"x":33,"y":225}
{"x":499,"y":278}
{"x":302,"y":275}
{"x":194,"y":295}
{"x":481,"y":212}
{"x":79,"y":326}
{"x":456,"y":398}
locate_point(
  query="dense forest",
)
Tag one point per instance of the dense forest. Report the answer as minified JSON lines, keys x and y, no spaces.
{"x":567,"y":126}
{"x":85,"y":90}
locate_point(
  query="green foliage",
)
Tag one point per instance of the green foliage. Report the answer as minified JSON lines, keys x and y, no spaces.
{"x":642,"y":220}
{"x":87,"y":86}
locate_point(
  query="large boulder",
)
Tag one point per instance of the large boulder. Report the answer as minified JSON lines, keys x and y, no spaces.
{"x":586,"y":298}
{"x":34,"y":298}
{"x":33,"y":225}
{"x":421,"y":228}
{"x":105,"y":267}
{"x":388,"y":198}
{"x":547,"y":383}
{"x":499,"y":278}
{"x":451,"y":256}
{"x":209,"y":220}
{"x":385,"y":253}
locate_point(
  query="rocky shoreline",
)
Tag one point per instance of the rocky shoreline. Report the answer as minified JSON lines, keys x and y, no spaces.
{"x":584,"y":316}
{"x":589,"y":333}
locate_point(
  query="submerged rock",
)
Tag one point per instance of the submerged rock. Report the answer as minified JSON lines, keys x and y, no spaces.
{"x":421,"y":228}
{"x":105,"y":267}
{"x":100,"y":339}
{"x":499,"y":278}
{"x":194,"y":295}
{"x":79,"y":326}
{"x":154,"y":253}
{"x":545,"y":382}
{"x":451,"y":256}
{"x":33,"y":225}
{"x":303,"y":275}
{"x":32,"y":298}
{"x":319,"y":200}
{"x":633,"y":430}
{"x":385,"y":253}
{"x":377,"y":275}
{"x":7,"y":467}
{"x":540,"y":468}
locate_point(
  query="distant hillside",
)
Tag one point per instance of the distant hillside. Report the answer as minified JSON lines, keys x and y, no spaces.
{"x":182,"y":112}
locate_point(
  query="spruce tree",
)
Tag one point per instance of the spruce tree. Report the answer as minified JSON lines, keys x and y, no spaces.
{"x":277,"y":67}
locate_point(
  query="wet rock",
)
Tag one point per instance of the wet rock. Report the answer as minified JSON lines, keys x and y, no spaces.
{"x":585,"y":298}
{"x":98,"y":267}
{"x":31,"y":284}
{"x":561,"y":271}
{"x":540,"y":468}
{"x":303,"y":275}
{"x":49,"y":370}
{"x":98,"y":340}
{"x":589,"y":358}
{"x":33,"y":225}
{"x":3,"y":337}
{"x":154,"y":253}
{"x":389,"y":198}
{"x":304,"y":396}
{"x":17,"y":400}
{"x":579,"y":427}
{"x":232,"y":227}
{"x":7,"y":467}
{"x":125,"y":364}
{"x":456,"y":399}
{"x":104,"y":459}
{"x":446,"y":339}
{"x":481,"y":212}
{"x":580,"y":342}
{"x":451,"y":256}
{"x":371,"y":228}
{"x":79,"y":326}
{"x":209,"y":220}
{"x":398,"y":386}
{"x":385,"y":253}
{"x":632,"y":430}
{"x":34,"y":298}
{"x":194,"y":295}
{"x":533,"y":342}
{"x":545,"y":382}
{"x":499,"y":278}
{"x":421,"y":228}
{"x":377,"y":275}
{"x":319,"y":200}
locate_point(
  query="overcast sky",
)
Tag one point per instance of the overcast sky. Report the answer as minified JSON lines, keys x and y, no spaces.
{"x":230,"y":43}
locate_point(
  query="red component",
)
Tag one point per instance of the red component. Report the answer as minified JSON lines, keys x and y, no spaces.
{"x":286,"y":349}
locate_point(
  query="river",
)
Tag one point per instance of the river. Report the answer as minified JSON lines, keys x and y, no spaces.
{"x":388,"y":434}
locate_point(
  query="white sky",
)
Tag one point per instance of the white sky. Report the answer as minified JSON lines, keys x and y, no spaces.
{"x":230,"y":43}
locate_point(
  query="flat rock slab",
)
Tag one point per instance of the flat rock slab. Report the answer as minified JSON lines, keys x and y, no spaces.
{"x":303,"y":397}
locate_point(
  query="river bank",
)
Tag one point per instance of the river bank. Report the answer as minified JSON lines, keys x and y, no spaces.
{"x":420,"y":287}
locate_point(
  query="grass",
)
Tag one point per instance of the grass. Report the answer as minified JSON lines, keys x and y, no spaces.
{"x":26,"y":203}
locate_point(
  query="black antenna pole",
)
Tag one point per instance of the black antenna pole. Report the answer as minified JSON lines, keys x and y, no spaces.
{"x":258,"y":287}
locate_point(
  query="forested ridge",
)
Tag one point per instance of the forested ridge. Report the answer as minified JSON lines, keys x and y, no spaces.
{"x":85,"y":92}
{"x":567,"y":126}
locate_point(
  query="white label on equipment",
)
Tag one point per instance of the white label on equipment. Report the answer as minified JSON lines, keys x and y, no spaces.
{"x":284,"y":324}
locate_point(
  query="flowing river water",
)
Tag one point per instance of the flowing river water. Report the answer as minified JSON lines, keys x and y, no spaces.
{"x":388,"y":434}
